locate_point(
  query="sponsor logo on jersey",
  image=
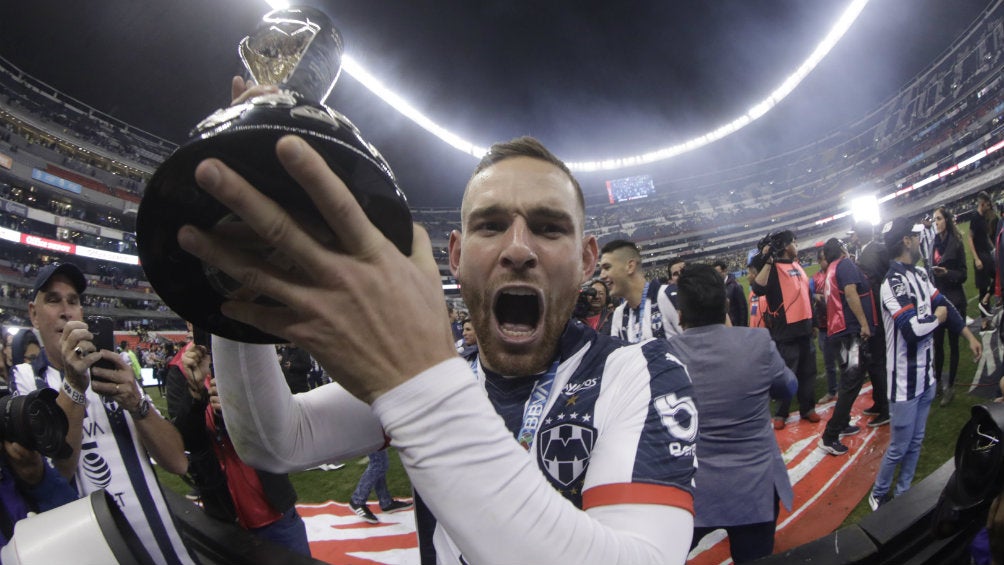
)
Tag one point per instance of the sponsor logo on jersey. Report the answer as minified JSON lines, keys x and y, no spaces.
{"x":565,"y":449}
{"x":575,"y":388}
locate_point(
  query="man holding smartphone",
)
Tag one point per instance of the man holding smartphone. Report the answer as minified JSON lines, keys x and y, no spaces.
{"x":113,"y":427}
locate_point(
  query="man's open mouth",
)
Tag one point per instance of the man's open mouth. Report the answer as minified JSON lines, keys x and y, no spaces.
{"x":518,"y":311}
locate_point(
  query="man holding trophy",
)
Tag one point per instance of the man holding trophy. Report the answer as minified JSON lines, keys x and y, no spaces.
{"x":572,"y":472}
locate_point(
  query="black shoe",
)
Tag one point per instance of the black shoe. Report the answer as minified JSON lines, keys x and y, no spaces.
{"x":876,"y":503}
{"x":193,"y":494}
{"x":879,"y":421}
{"x":363,"y":511}
{"x":871,"y":411}
{"x":833,"y":447}
{"x":849,"y":431}
{"x":396,"y":506}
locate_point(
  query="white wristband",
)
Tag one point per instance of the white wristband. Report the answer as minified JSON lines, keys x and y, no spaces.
{"x":75,"y":395}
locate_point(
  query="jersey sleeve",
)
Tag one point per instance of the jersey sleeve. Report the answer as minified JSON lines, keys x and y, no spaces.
{"x":277,"y":431}
{"x":899,"y":304}
{"x":648,"y":417}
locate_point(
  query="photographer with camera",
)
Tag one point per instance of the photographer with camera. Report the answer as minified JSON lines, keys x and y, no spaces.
{"x":113,"y":427}
{"x":593,"y":306}
{"x":647,"y":310}
{"x":788,"y":317}
{"x":30,"y":426}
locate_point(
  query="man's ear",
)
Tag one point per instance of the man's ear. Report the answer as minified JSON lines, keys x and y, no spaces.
{"x":454,"y":252}
{"x":632,"y":266}
{"x":590,"y":254}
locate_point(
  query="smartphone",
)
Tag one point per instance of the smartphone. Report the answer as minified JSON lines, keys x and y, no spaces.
{"x":103,"y":329}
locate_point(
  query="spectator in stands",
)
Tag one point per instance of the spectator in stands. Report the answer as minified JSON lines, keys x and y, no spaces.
{"x":950,"y":272}
{"x":848,"y":325}
{"x":646,"y":310}
{"x":873,"y":262}
{"x":738,"y":312}
{"x":789,"y":318}
{"x":122,"y":428}
{"x":982,"y":228}
{"x":817,"y":286}
{"x":261,"y":502}
{"x":912,"y":308}
{"x":735,"y":371}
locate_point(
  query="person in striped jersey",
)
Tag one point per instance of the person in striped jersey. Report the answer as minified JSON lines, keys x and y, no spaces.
{"x":912,"y":309}
{"x":567,"y":447}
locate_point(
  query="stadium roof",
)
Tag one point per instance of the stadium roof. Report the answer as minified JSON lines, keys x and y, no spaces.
{"x":591,"y":79}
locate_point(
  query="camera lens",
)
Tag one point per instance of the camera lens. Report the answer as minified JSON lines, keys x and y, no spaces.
{"x":35,"y":421}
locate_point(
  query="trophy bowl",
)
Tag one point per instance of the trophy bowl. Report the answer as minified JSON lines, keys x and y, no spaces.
{"x":299,"y":50}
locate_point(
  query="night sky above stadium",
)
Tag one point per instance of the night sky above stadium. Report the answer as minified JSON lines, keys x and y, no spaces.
{"x":591,"y":79}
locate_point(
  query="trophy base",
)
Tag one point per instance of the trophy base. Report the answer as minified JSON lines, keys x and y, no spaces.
{"x":172,"y":199}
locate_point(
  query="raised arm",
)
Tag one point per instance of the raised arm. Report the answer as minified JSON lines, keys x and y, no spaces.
{"x":277,"y":431}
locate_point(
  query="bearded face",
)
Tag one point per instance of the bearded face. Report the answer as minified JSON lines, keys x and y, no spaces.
{"x":520,"y":262}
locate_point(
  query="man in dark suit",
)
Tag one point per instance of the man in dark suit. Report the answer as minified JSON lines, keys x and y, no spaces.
{"x":735,"y":372}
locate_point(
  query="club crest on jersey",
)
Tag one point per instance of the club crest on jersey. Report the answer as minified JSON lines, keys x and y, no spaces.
{"x":898,"y":286}
{"x":564,"y":450}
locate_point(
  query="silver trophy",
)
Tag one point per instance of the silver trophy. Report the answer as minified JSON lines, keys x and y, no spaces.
{"x":299,"y":50}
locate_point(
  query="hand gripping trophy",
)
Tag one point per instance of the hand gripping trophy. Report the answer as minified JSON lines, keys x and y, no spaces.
{"x":300,"y":51}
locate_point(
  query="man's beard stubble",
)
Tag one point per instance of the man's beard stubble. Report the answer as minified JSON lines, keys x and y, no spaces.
{"x":525,"y":361}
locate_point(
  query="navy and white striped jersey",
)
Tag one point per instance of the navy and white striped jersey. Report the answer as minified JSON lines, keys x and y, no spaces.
{"x":620,"y":428}
{"x":113,"y":458}
{"x":656,"y":316}
{"x":908,"y":303}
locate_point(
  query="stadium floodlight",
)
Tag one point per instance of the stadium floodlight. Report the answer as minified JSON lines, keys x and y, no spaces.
{"x":758,"y":110}
{"x":866,"y":209}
